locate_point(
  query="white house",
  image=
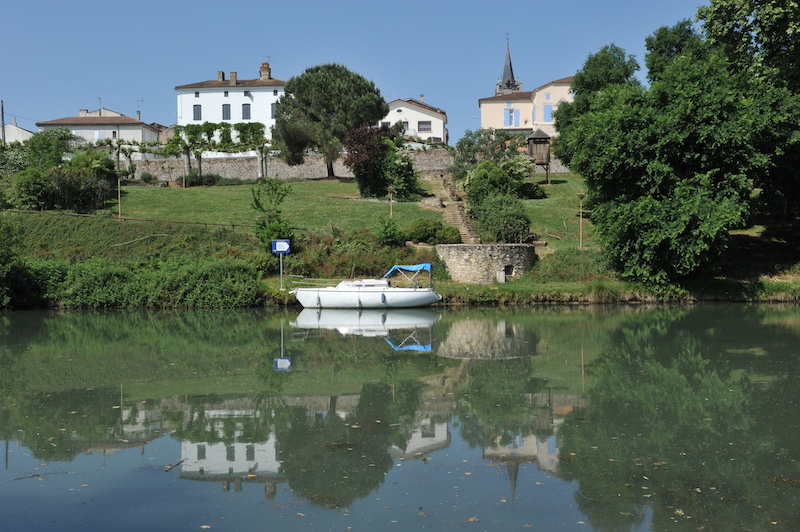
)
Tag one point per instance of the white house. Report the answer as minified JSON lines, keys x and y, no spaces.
{"x":231,"y":100}
{"x":420,"y":120}
{"x":102,"y":124}
{"x":13,"y":133}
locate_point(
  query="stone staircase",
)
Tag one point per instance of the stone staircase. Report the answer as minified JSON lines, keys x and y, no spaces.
{"x":443,"y":188}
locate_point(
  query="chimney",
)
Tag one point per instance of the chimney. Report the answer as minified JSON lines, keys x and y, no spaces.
{"x":233,"y":78}
{"x":220,"y":75}
{"x":138,"y":116}
{"x":421,"y":98}
{"x":83,"y":112}
{"x":265,"y":72}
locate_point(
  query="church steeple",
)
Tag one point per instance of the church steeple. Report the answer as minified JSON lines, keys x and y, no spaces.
{"x":508,"y":83}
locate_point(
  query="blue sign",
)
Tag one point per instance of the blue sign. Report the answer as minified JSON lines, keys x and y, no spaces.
{"x":280,"y":247}
{"x":282,"y":365}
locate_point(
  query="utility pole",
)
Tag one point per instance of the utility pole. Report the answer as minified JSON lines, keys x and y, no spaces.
{"x":2,"y":125}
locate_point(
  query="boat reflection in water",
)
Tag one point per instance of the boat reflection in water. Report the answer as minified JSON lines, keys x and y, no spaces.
{"x":403,"y":329}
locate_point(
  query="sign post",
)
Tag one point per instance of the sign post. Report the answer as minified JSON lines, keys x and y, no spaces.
{"x":281,"y":248}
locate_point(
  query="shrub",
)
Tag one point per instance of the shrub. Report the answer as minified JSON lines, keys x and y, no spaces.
{"x":432,"y":232}
{"x":388,"y":232}
{"x":502,"y":218}
{"x":206,"y":180}
{"x":147,"y":178}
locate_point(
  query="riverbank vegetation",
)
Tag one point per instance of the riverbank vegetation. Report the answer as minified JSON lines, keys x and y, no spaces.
{"x":685,"y":189}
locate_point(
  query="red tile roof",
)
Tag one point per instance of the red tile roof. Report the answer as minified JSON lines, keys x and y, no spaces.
{"x":226,"y":83}
{"x":92,"y":121}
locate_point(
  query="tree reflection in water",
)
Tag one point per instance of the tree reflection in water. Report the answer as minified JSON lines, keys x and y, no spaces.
{"x":667,"y":433}
{"x":333,"y":460}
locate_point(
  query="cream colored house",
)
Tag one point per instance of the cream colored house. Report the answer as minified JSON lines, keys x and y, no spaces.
{"x":511,"y":112}
{"x":545,"y":100}
{"x":420,"y":120}
{"x":514,"y":110}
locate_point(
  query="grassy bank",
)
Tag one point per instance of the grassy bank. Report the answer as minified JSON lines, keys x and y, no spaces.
{"x":203,"y":237}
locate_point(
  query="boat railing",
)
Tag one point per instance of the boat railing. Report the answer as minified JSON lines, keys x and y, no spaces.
{"x":299,"y":281}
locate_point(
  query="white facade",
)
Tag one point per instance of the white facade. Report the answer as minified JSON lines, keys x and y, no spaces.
{"x":420,"y":120}
{"x":231,"y":100}
{"x":13,"y":133}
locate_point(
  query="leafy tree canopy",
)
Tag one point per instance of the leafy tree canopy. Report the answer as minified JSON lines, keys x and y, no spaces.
{"x":320,"y":107}
{"x":670,"y":168}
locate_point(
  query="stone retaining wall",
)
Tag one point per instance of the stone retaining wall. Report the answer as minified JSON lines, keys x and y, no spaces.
{"x":427,"y":162}
{"x":486,"y":263}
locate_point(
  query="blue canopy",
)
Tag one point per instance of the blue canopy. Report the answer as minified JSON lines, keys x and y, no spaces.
{"x":422,"y":348}
{"x":414,"y":268}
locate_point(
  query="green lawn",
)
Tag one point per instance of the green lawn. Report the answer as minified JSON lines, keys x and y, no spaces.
{"x":312,"y":205}
{"x":556,"y":219}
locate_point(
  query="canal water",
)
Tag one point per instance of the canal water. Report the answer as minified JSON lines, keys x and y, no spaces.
{"x":546,"y":418}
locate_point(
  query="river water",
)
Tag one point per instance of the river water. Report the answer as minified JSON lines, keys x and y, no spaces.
{"x":546,"y":418}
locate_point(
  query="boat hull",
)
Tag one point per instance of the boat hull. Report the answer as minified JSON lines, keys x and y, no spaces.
{"x":393,"y":297}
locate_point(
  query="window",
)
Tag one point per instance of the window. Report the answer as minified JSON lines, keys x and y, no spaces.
{"x":405,"y":127}
{"x":226,"y":111}
{"x":246,"y":94}
{"x":547,"y":96}
{"x":230,"y":453}
{"x":250,"y":453}
{"x":274,"y":108}
{"x":198,"y":113}
{"x":201,"y":451}
{"x":386,"y":125}
{"x":225,"y":94}
{"x":424,"y":126}
{"x":245,"y":111}
{"x":548,"y":113}
{"x":113,"y":134}
{"x":511,"y":118}
{"x":275,"y":92}
{"x":196,"y":94}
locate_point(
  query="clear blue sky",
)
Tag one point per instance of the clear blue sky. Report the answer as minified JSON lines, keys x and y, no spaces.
{"x":59,"y":57}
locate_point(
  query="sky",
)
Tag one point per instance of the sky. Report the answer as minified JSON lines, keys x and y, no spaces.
{"x":58,"y":57}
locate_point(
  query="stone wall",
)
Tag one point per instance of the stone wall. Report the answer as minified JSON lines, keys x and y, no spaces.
{"x":486,"y":263}
{"x":427,"y":162}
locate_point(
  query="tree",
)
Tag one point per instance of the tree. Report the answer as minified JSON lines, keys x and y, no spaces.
{"x":607,"y":68}
{"x":319,"y":108}
{"x":758,"y":35}
{"x":761,"y":38}
{"x":267,"y":198}
{"x":47,"y":148}
{"x":9,"y":239}
{"x":250,"y":136}
{"x":365,"y":149}
{"x":484,"y":145}
{"x":380,"y":166}
{"x":669,"y":169}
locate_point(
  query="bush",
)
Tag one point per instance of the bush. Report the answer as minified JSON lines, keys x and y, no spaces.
{"x":502,"y":218}
{"x":388,"y":233}
{"x":206,"y":180}
{"x":100,"y":284}
{"x":432,"y":232}
{"x":147,"y":178}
